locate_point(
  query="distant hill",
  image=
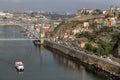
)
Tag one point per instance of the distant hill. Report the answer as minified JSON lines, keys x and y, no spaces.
{"x":57,"y":16}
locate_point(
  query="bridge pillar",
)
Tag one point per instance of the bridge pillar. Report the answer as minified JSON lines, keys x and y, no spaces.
{"x":42,"y":35}
{"x":42,"y":41}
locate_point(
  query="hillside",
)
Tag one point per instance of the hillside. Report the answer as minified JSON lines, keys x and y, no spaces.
{"x":103,"y":41}
{"x":64,"y":26}
{"x":71,"y":23}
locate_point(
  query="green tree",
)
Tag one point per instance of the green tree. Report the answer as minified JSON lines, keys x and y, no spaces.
{"x":94,"y":49}
{"x":97,"y":12}
{"x":107,"y":48}
{"x":115,"y":37}
{"x":100,"y":50}
{"x":104,"y":48}
{"x":119,"y":15}
{"x":109,"y":15}
{"x":88,"y":47}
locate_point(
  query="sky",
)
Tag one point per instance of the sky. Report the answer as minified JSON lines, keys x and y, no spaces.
{"x":55,"y":5}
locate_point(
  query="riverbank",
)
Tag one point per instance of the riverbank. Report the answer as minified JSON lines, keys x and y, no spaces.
{"x":91,"y":62}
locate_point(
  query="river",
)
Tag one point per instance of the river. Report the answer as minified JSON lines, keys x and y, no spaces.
{"x":39,"y":63}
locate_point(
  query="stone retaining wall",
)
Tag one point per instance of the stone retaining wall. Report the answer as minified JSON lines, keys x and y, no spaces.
{"x":106,"y":66}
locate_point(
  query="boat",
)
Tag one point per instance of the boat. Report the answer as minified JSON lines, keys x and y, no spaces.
{"x":19,"y":66}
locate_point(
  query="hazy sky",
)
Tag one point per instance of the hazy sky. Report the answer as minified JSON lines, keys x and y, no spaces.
{"x":55,"y":5}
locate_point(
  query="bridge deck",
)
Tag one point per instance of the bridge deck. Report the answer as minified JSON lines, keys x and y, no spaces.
{"x":23,"y":25}
{"x":19,"y":39}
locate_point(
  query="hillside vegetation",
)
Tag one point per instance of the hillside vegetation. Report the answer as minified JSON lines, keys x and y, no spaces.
{"x":106,"y":39}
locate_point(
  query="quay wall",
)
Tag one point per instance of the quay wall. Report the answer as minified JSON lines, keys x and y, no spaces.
{"x":96,"y":62}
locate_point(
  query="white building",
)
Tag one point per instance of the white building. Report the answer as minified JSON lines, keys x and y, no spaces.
{"x":6,"y":14}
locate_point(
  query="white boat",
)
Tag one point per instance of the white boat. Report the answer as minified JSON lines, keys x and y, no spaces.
{"x":19,"y":66}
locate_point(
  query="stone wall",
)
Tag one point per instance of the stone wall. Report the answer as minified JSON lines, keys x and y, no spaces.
{"x":107,"y":66}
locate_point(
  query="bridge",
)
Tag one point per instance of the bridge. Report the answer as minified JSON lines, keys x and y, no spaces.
{"x":37,"y":35}
{"x":17,"y":39}
{"x":23,"y":25}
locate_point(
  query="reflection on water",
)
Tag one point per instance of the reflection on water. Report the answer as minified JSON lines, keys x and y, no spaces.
{"x":41,"y":50}
{"x":41,"y":53}
{"x":70,"y":64}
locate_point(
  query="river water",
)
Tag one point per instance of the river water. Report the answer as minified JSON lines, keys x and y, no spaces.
{"x":39,"y":63}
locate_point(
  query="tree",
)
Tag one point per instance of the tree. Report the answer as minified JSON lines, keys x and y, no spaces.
{"x":115,"y":36}
{"x":104,"y":48}
{"x":94,"y":49}
{"x":119,"y":15}
{"x":88,"y":47}
{"x":100,"y":50}
{"x":4,"y":18}
{"x":97,"y":12}
{"x":109,"y":15}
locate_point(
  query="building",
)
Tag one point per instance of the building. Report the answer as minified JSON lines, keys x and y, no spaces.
{"x":83,"y":41}
{"x":86,"y":24}
{"x":8,"y":15}
{"x":109,"y":22}
{"x":84,"y":11}
{"x":98,"y":23}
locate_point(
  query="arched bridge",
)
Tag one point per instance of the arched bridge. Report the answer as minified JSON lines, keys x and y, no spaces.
{"x":23,"y":25}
